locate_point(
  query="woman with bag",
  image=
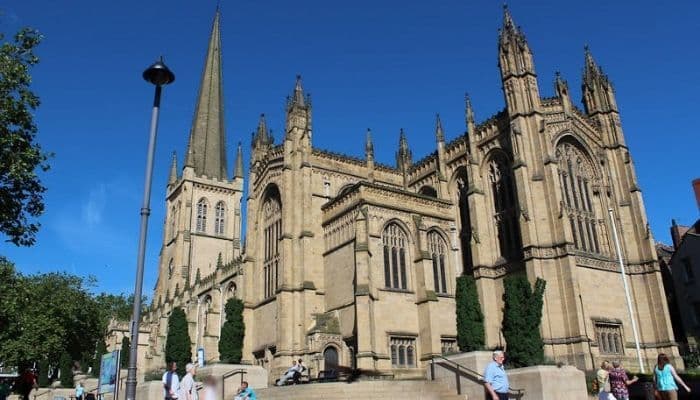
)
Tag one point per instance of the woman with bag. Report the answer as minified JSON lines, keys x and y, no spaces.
{"x":603,"y":378}
{"x":665,"y":378}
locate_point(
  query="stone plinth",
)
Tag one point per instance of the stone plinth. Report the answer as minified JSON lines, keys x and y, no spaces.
{"x":547,"y":382}
{"x":256,"y":377}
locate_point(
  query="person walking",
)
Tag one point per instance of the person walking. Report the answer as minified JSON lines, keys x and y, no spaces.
{"x":619,"y":381}
{"x":188,"y":390}
{"x":171,"y":382}
{"x":495,"y":377}
{"x":79,"y":391}
{"x":210,"y":392}
{"x":603,"y":377}
{"x":665,"y":378}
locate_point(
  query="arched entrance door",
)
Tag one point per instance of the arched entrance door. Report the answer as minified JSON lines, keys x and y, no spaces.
{"x":330,"y":358}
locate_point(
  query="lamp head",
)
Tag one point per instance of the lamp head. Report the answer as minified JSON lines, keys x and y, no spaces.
{"x":159,"y":74}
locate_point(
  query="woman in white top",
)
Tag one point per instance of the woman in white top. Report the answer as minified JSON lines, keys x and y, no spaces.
{"x":188,"y":390}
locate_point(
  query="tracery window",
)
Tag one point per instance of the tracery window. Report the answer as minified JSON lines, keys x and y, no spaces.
{"x":403,"y":351}
{"x":438,"y":252}
{"x":609,"y":337}
{"x":219,"y":218}
{"x":395,"y":247}
{"x":505,"y":208}
{"x":202,"y":215}
{"x":575,"y":178}
{"x":173,"y":222}
{"x":272,"y":232}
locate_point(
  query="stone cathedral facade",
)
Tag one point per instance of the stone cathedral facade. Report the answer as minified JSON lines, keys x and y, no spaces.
{"x":350,"y":262}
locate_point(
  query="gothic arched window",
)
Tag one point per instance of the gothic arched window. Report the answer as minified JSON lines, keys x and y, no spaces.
{"x":575,"y":178}
{"x":465,"y":224}
{"x":219,"y":219}
{"x":395,"y":248}
{"x":505,"y":208}
{"x":170,"y":268}
{"x":173,"y":222}
{"x":272,"y":233}
{"x":202,"y":207}
{"x":438,"y":252}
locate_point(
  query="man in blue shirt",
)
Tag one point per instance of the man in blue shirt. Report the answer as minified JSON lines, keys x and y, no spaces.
{"x":245,"y":393}
{"x":495,"y":378}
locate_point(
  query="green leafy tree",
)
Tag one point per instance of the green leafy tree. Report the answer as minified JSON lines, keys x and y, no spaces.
{"x":178,"y":346}
{"x":522,"y":317}
{"x":21,"y":157}
{"x":470,"y":320}
{"x":124,"y":353}
{"x":66,"y":366}
{"x":232,"y":333}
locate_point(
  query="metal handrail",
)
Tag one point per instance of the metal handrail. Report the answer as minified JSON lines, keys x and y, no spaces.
{"x":229,"y":374}
{"x":475,"y":375}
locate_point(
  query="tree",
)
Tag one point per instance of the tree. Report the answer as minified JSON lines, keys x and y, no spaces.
{"x":66,"y":366}
{"x":178,"y":346}
{"x":124,"y":353}
{"x":522,"y":317}
{"x":43,"y":375}
{"x":470,"y":320}
{"x":21,"y":157}
{"x":232,"y":333}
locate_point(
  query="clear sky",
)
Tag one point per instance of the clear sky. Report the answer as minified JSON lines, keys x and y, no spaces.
{"x":382,"y":64}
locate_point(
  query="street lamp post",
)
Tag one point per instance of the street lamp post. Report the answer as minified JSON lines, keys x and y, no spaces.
{"x":159,"y":75}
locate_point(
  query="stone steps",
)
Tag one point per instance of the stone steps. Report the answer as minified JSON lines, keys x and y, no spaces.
{"x":366,"y":390}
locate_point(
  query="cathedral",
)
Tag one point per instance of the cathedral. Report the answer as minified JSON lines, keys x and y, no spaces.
{"x":347,"y":261}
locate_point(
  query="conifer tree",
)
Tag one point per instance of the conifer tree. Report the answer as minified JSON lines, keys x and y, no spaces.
{"x":66,"y":365}
{"x":470,"y":320}
{"x":43,"y":377}
{"x":522,"y":317}
{"x":100,"y":350}
{"x":232,"y":333}
{"x":124,"y":352}
{"x":178,"y":346}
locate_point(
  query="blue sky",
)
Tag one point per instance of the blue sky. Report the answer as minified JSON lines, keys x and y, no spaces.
{"x":380,"y":64}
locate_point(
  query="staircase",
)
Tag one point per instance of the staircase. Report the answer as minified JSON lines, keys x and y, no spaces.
{"x":363,"y":390}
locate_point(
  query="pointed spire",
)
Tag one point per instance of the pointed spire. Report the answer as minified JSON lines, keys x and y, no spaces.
{"x":509,"y":30}
{"x":261,"y":136}
{"x":206,"y":151}
{"x":591,"y":70}
{"x":439,"y":133}
{"x":404,"y":158}
{"x":369,"y":146}
{"x":468,"y":111}
{"x":238,"y":168}
{"x":173,"y":170}
{"x":297,"y":99}
{"x":560,"y":85}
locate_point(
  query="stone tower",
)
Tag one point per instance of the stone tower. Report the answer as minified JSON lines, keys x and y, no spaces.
{"x":203,"y":221}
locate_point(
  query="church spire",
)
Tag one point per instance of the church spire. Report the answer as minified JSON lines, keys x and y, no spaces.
{"x":173,"y":170}
{"x":469,"y":114}
{"x":262,"y":136}
{"x":238,"y":167}
{"x":439,"y":132}
{"x":598,"y":92}
{"x":206,"y":151}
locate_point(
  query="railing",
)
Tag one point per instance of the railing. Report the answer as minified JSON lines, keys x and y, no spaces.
{"x":229,"y":374}
{"x":462,"y":371}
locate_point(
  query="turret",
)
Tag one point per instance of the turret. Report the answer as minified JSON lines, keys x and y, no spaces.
{"x":517,"y":69}
{"x":298,"y":124}
{"x":238,"y":166}
{"x":369,"y":155}
{"x":471,"y":126}
{"x":598,"y":92}
{"x":561,"y":88}
{"x":172,"y":178}
{"x":404,"y":158}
